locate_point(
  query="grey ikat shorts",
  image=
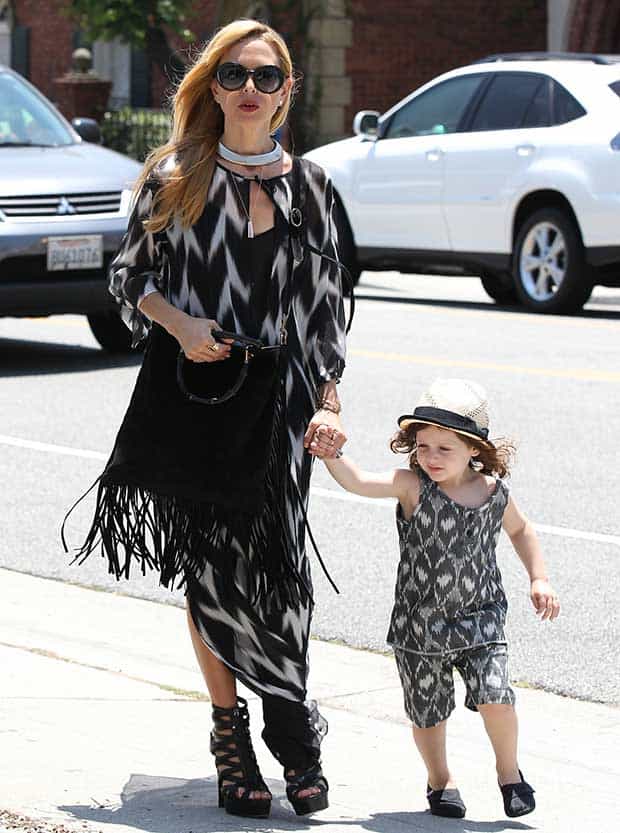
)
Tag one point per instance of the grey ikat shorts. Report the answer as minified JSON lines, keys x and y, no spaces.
{"x":428,"y":681}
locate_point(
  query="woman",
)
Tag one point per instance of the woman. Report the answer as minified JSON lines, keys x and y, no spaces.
{"x":228,"y":232}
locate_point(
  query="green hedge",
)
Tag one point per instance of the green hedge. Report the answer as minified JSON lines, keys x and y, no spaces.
{"x":135,"y":131}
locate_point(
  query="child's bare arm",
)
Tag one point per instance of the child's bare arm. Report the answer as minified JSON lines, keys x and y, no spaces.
{"x":526,"y":544}
{"x":398,"y":483}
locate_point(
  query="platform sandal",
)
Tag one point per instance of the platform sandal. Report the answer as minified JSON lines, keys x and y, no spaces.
{"x":300,"y":781}
{"x":237,"y":769}
{"x":447,"y":803}
{"x":518,"y":798}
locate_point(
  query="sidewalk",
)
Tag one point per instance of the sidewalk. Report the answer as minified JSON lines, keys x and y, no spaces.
{"x":104,"y":726}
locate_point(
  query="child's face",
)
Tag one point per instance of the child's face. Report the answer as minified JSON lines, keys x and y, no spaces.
{"x":443,"y":454}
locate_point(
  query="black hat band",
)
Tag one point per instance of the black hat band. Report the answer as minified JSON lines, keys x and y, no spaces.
{"x":448,"y":419}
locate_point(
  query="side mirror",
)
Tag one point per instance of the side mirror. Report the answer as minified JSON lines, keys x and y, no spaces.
{"x":366,"y":123}
{"x":88,"y":129}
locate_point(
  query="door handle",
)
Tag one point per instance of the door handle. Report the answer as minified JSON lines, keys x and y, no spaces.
{"x":525,"y":150}
{"x":434,"y":155}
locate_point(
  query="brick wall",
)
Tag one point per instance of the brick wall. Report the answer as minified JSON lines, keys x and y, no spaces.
{"x":201,"y":24}
{"x":595,"y":26}
{"x":51,"y":41}
{"x":400,"y":44}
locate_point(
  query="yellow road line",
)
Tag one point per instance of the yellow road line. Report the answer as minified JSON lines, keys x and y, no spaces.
{"x":435,"y":305}
{"x":582,"y":374}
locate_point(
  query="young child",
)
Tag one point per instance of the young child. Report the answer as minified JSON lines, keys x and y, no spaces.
{"x":450,"y":606}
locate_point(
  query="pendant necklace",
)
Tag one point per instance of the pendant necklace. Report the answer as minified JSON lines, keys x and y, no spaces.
{"x":247,"y":211}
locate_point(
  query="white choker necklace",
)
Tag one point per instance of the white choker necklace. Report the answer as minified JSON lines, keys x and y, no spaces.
{"x":254,"y":159}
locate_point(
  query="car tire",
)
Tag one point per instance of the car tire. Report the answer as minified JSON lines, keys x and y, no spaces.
{"x":346,"y":244}
{"x":549,"y":267}
{"x":500,"y":289}
{"x":110,"y":331}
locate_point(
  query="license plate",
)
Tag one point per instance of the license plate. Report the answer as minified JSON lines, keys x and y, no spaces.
{"x":74,"y":253}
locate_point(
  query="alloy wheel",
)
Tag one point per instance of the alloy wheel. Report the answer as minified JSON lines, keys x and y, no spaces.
{"x":543,"y":261}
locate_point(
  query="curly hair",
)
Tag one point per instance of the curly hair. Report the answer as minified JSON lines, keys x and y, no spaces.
{"x":494,"y":461}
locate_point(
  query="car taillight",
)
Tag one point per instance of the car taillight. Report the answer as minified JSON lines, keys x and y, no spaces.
{"x":615,"y":142}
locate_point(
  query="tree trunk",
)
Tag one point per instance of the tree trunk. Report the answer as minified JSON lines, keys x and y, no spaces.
{"x":229,"y":10}
{"x":161,"y":53}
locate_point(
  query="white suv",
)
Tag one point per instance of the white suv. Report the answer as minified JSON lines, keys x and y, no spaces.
{"x":508,"y":169}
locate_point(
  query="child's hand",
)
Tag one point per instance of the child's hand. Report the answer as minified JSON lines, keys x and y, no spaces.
{"x":544,"y":599}
{"x":325,"y":435}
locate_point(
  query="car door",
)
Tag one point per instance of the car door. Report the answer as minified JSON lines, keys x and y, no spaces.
{"x":486,"y":161}
{"x":398,"y":184}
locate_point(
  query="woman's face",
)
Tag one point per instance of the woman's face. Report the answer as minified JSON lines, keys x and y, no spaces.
{"x":248,"y":105}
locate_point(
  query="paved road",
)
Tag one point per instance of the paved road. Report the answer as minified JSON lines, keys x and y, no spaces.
{"x":554,"y":383}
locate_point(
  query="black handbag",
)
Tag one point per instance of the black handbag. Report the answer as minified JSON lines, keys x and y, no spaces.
{"x":214,"y":384}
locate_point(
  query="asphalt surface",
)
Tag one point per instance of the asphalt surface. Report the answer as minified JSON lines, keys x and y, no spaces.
{"x":554,"y":385}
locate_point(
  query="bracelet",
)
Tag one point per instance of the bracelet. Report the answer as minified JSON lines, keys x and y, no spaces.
{"x":327,"y":405}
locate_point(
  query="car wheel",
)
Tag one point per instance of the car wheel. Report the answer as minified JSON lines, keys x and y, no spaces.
{"x":346,"y":244}
{"x":110,"y":331}
{"x":499,"y":289}
{"x":549,"y":268}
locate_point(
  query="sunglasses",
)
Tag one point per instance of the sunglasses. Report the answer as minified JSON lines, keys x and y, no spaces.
{"x":232,"y":76}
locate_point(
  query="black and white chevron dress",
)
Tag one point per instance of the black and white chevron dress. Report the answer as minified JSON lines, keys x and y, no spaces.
{"x":203,"y":270}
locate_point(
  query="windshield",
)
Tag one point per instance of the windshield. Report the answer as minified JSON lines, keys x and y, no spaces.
{"x":25,"y":119}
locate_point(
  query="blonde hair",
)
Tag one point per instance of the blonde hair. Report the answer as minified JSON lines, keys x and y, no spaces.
{"x":197,"y":125}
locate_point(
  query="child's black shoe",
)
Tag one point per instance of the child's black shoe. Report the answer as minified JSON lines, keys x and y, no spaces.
{"x":446,"y":803}
{"x":518,"y":798}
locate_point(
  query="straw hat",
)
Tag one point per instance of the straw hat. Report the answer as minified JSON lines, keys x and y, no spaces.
{"x":457,"y":404}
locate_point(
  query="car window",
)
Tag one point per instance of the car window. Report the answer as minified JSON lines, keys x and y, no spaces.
{"x":25,"y":119}
{"x":565,"y":107}
{"x":438,"y":110}
{"x":538,"y":114}
{"x":506,"y":101}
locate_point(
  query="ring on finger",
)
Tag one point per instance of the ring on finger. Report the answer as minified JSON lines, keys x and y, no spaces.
{"x":214,"y":347}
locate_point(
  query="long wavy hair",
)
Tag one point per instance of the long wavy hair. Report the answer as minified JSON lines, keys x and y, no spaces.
{"x":198,"y":124}
{"x":495,"y":461}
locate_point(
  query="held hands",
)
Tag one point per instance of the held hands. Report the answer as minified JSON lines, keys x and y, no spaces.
{"x":194,"y":336}
{"x":544,"y":599}
{"x":325,"y":435}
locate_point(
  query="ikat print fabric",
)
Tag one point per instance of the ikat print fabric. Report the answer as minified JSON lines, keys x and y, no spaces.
{"x":449,"y":592}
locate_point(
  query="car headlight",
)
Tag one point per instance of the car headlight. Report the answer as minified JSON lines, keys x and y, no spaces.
{"x":126,"y":201}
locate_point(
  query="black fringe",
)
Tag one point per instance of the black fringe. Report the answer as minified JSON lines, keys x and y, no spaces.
{"x":179,"y":537}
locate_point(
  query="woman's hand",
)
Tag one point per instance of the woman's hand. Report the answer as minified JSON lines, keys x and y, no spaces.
{"x":544,"y":599}
{"x":325,"y":435}
{"x":195,"y":337}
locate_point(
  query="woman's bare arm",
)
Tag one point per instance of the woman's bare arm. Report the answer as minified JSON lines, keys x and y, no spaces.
{"x":193,"y":334}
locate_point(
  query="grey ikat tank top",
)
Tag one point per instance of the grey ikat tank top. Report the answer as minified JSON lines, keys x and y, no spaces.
{"x":449,"y":593}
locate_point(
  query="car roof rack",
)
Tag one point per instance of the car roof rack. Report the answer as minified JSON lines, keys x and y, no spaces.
{"x":551,"y":56}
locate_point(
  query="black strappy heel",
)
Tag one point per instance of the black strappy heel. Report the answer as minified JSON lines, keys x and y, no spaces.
{"x":301,"y":781}
{"x":231,"y":744}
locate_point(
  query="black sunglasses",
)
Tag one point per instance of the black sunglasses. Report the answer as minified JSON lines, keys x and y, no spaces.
{"x":232,"y":76}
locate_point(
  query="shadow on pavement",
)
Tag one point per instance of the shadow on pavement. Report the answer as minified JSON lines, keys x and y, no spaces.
{"x":613,"y":315}
{"x":159,"y":804}
{"x":19,"y":357}
{"x":393,"y":822}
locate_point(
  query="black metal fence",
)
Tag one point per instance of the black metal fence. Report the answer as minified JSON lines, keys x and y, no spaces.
{"x":135,"y":131}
